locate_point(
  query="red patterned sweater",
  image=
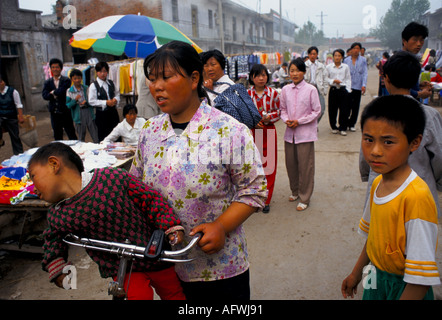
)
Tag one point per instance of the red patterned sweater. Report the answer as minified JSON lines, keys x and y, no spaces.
{"x":114,"y":206}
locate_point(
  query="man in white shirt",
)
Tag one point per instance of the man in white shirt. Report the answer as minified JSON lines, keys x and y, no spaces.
{"x":105,"y":97}
{"x":316,"y":75}
{"x":11,"y":114}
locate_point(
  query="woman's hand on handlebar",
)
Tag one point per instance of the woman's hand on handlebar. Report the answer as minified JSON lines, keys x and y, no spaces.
{"x":213,"y":238}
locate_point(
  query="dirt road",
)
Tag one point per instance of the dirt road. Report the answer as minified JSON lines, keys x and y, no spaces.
{"x":294,"y":256}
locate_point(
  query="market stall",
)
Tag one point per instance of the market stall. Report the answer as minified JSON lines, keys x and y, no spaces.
{"x":22,"y":213}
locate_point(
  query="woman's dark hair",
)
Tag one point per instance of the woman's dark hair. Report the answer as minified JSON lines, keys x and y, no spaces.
{"x":100,"y":65}
{"x":386,"y":55}
{"x":256,"y":70}
{"x":179,"y":56}
{"x":129,"y":107}
{"x":340,"y":51}
{"x":56,"y":61}
{"x":75,"y":72}
{"x":399,"y":110}
{"x":299,"y":63}
{"x":312,"y":48}
{"x":218,"y":55}
{"x":58,"y":149}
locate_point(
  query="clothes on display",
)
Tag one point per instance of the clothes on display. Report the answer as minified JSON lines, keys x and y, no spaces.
{"x":123,"y":73}
{"x":239,"y":66}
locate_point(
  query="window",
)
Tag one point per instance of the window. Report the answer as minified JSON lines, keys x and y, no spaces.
{"x":175,"y":17}
{"x":194,"y":11}
{"x":9,"y":49}
{"x":210,"y":19}
{"x":234,"y":28}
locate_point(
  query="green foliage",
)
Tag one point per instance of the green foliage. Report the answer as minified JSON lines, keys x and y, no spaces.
{"x":400,"y":13}
{"x":308,"y":34}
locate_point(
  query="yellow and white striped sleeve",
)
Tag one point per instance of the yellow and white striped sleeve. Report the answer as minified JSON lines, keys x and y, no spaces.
{"x":420,"y":261}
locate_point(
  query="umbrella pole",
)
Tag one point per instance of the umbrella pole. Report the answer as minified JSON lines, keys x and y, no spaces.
{"x":135,"y":72}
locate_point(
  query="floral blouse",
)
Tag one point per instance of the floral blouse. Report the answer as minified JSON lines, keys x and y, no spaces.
{"x":201,"y":171}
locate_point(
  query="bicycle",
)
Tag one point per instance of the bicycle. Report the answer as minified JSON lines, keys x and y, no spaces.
{"x":127,"y":252}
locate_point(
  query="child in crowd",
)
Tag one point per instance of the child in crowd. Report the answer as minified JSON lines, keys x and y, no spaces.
{"x":104,"y":96}
{"x":266,"y":100}
{"x":82,"y":113}
{"x":300,"y":109}
{"x":339,"y":80}
{"x":401,"y":221}
{"x":401,"y":73}
{"x":382,"y":91}
{"x":106,"y":204}
{"x":129,"y":129}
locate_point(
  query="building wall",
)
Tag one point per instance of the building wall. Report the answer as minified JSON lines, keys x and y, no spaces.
{"x":36,"y":48}
{"x":435,"y":30}
{"x":90,"y":10}
{"x":36,"y":45}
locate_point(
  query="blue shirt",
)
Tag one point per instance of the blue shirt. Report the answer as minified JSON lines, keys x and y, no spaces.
{"x":358,"y":72}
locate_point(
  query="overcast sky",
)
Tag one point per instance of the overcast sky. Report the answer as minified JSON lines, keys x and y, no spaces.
{"x":340,"y":17}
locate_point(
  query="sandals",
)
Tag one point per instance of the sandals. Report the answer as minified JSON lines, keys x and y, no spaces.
{"x":301,"y":206}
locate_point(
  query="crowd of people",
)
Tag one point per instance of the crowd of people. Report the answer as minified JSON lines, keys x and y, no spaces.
{"x":182,"y":196}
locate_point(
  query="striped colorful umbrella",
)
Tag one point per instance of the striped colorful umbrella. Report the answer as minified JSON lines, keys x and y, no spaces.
{"x":135,"y":35}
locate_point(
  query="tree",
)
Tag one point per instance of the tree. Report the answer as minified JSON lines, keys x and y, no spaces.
{"x":308,"y":34}
{"x":400,"y":13}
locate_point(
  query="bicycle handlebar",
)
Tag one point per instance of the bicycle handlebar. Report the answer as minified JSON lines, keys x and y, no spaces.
{"x":153,"y":251}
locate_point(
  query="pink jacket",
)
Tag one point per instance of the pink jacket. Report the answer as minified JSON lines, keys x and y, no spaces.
{"x":300,"y":102}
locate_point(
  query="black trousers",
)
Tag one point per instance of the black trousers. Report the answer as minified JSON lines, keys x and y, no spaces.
{"x":60,"y":121}
{"x":338,"y":102}
{"x":106,"y":120}
{"x":11,"y":126}
{"x":354,"y":104}
{"x":236,"y":288}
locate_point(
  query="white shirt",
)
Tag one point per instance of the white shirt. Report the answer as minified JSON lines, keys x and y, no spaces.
{"x":313,"y":67}
{"x":93,"y":97}
{"x":341,"y":73}
{"x":128,"y":133}
{"x":282,"y":74}
{"x":16,"y":97}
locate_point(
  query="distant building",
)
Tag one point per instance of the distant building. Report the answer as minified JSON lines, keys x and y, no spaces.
{"x":244,"y":29}
{"x":26,"y":45}
{"x":434,"y":23}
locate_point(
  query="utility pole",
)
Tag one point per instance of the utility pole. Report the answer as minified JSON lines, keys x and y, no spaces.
{"x":322,"y":20}
{"x":221,"y":24}
{"x":280,"y":24}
